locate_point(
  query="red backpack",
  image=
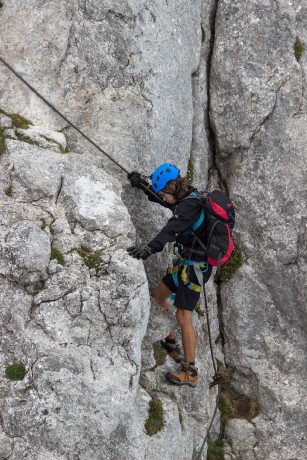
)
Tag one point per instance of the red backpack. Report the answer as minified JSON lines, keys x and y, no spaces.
{"x":220,"y":220}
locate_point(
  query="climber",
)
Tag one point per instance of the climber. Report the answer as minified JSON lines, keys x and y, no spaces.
{"x":184,"y":281}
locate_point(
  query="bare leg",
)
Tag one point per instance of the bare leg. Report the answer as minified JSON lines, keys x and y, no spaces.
{"x":184,"y":318}
{"x":160,"y":294}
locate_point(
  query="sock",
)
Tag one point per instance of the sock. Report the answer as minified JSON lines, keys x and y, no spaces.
{"x":170,"y":341}
{"x":192,"y":368}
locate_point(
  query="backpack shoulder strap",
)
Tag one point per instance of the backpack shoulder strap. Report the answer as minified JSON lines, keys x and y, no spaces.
{"x":201,"y":218}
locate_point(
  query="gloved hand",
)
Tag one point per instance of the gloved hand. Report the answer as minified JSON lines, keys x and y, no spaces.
{"x":136,"y":179}
{"x":139,"y":253}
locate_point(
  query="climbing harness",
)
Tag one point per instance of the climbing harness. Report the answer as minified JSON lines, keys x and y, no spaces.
{"x":182,"y":265}
{"x":74,"y":126}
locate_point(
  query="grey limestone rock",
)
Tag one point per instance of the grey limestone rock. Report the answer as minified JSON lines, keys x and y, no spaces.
{"x":241,"y":435}
{"x":25,"y":253}
{"x":5,"y":122}
{"x":259,"y":117}
{"x":139,"y":78}
{"x":78,"y":331}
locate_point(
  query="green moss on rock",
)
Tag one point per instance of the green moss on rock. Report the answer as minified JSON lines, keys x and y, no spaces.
{"x":23,"y":138}
{"x":226,"y":407}
{"x":215,"y":449}
{"x":18,"y":120}
{"x":298,"y":48}
{"x":91,"y":260}
{"x":232,"y":265}
{"x":16,"y":371}
{"x":154,"y":422}
{"x":57,"y":255}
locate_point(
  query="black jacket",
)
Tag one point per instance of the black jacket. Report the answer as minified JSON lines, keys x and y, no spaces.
{"x":185,"y":213}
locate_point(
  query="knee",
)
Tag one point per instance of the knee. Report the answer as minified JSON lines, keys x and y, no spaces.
{"x":184,"y":317}
{"x":157,"y":296}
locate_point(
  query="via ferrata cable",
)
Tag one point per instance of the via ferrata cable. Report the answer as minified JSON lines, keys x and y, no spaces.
{"x":157,"y":198}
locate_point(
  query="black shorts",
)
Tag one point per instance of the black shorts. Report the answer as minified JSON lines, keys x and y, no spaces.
{"x":185,"y":297}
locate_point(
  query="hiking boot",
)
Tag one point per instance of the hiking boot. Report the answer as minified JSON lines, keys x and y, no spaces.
{"x":186,"y":375}
{"x":172,"y":350}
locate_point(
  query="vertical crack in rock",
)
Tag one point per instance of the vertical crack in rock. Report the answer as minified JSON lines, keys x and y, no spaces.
{"x":211,"y":133}
{"x":59,"y":190}
{"x":213,"y":144}
{"x":269,"y":115}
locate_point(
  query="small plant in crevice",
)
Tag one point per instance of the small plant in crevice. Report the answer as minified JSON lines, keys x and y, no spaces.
{"x":298,"y":49}
{"x":190,"y":171}
{"x":203,"y":34}
{"x":57,"y":255}
{"x":16,"y":371}
{"x":215,"y":449}
{"x":91,"y":260}
{"x":154,"y":422}
{"x":232,"y":265}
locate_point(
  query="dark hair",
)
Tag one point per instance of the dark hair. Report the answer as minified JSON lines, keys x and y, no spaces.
{"x":178,"y":188}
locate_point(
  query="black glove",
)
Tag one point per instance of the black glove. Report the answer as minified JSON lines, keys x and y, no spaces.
{"x":136,"y":179}
{"x":139,"y":252}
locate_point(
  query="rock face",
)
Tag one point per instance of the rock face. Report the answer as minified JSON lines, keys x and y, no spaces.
{"x":139,"y":77}
{"x":77,"y":329}
{"x":259,"y":116}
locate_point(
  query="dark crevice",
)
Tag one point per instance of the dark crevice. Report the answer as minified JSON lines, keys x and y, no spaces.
{"x":213,"y":149}
{"x":59,"y":190}
{"x":211,"y":134}
{"x":220,"y":315}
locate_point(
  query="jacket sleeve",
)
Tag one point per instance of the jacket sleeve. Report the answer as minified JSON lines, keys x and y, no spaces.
{"x":185,"y":215}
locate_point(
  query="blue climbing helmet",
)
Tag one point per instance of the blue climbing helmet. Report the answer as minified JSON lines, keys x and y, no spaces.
{"x":162,"y":175}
